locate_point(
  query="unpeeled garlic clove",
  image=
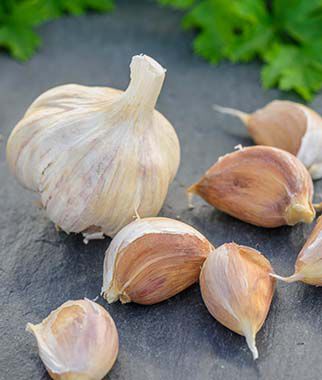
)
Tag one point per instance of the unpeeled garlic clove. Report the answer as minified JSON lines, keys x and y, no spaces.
{"x":261,"y":185}
{"x":286,"y":125}
{"x":237,"y":289}
{"x":77,"y":341}
{"x":308,"y":265}
{"x":152,"y":259}
{"x":97,"y":155}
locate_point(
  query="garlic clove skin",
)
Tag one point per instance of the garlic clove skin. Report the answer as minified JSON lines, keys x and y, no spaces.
{"x":286,"y":125}
{"x":77,"y":341}
{"x":237,"y":289}
{"x":308,"y":266}
{"x":96,"y":155}
{"x":261,"y":185}
{"x":152,"y":259}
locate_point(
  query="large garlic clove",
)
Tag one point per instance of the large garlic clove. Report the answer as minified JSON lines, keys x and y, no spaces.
{"x":308,"y":266}
{"x":237,"y":289}
{"x":289,"y":126}
{"x":152,"y":259}
{"x":260,"y":185}
{"x":96,"y":155}
{"x":77,"y":341}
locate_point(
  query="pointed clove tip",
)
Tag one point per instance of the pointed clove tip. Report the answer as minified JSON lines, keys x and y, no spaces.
{"x":295,"y":277}
{"x":190,"y":193}
{"x":250,"y":340}
{"x":255,"y":353}
{"x":243,"y":116}
{"x":30,"y":327}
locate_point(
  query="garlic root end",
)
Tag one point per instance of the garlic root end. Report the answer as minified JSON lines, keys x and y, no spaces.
{"x":243,"y":116}
{"x":317,"y":206}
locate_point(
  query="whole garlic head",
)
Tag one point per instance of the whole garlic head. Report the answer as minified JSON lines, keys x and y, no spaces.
{"x":77,"y":341}
{"x":286,"y":125}
{"x":96,"y":155}
{"x":152,"y":259}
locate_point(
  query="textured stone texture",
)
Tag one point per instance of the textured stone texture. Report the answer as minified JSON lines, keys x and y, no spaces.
{"x":40,"y":268}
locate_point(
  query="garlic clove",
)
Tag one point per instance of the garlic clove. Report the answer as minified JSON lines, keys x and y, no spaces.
{"x":77,"y":146}
{"x":261,"y":185}
{"x":237,"y":289}
{"x":308,"y":266}
{"x":152,"y":259}
{"x":77,"y":341}
{"x":289,"y":126}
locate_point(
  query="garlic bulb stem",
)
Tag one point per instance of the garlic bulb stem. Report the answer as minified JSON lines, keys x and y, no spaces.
{"x":243,"y":116}
{"x":147,"y":77}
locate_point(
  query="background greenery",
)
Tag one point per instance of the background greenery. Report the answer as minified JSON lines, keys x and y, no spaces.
{"x":286,"y":35}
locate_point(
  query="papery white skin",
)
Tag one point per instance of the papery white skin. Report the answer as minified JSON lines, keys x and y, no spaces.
{"x":310,"y":151}
{"x":83,"y":345}
{"x":97,"y":156}
{"x":132,"y":232}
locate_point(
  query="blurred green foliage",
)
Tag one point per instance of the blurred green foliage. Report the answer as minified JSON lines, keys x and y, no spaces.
{"x":286,"y":35}
{"x":19,"y":18}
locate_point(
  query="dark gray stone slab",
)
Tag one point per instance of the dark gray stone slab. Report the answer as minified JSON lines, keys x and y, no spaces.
{"x":40,"y":268}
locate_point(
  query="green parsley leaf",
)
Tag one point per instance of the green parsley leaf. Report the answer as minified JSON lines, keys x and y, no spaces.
{"x":78,"y":7}
{"x":294,"y":68}
{"x":216,"y":22}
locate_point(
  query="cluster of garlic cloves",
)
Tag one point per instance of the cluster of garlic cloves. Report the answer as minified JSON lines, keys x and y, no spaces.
{"x":152,"y":259}
{"x":237,"y":289}
{"x":308,"y":265}
{"x":286,"y":125}
{"x":261,"y":185}
{"x":95,"y":155}
{"x":77,"y":341}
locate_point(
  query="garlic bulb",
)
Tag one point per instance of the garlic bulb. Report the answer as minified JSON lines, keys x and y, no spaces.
{"x":96,"y":155}
{"x":286,"y":125}
{"x":152,"y":259}
{"x":77,"y":341}
{"x":261,"y":185}
{"x":237,"y":289}
{"x":308,"y":266}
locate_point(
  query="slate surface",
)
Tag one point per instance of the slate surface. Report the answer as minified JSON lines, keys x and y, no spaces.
{"x":40,"y":268}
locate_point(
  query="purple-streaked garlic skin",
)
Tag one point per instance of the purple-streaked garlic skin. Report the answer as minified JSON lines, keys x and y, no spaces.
{"x":286,"y":125}
{"x":95,"y":155}
{"x":152,"y":259}
{"x":77,"y":341}
{"x":237,"y":289}
{"x":261,"y":185}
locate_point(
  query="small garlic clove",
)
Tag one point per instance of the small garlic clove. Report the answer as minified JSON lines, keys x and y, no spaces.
{"x":237,"y":289}
{"x":308,"y":266}
{"x":261,"y":185}
{"x":152,"y":259}
{"x":77,"y":341}
{"x":286,"y":125}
